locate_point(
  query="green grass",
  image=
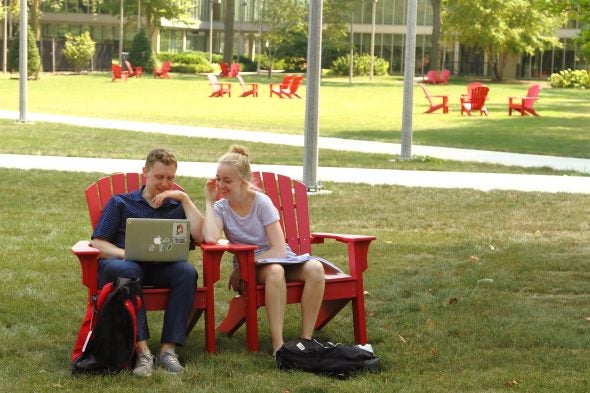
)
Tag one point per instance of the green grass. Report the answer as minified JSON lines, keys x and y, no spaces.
{"x":363,"y":110}
{"x":436,"y":326}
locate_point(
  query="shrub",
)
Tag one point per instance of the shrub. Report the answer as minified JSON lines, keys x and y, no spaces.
{"x":33,"y":57}
{"x":361,"y":65}
{"x":79,"y":50}
{"x":141,"y":54}
{"x":295,"y":64}
{"x":187,"y":62}
{"x":579,"y":79}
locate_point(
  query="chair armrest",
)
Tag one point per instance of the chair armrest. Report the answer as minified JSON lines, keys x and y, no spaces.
{"x":212,"y":254}
{"x":358,"y":248}
{"x":88,"y":257}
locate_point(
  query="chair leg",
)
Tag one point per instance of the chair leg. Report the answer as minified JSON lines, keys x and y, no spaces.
{"x":235,"y":318}
{"x":328,"y":311}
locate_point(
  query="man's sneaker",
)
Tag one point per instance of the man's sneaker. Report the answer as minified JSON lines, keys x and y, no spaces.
{"x":144,"y":364}
{"x":169,"y":362}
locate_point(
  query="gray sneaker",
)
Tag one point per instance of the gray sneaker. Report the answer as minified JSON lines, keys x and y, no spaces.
{"x":144,"y":364}
{"x":169,"y":362}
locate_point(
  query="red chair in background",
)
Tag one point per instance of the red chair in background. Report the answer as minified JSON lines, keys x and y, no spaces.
{"x":290,"y":198}
{"x":137,"y":71}
{"x":444,"y":77}
{"x":234,"y":69}
{"x":525,"y":105}
{"x":162,"y":72}
{"x":434,"y":107}
{"x":97,"y":196}
{"x":118,"y":73}
{"x":246,"y":91}
{"x":219,"y":89}
{"x":467,"y":97}
{"x":224,"y":69}
{"x":431,"y":77}
{"x":479,"y":95}
{"x":277,"y":88}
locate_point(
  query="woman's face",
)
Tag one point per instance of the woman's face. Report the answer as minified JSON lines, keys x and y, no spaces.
{"x":228,"y":181}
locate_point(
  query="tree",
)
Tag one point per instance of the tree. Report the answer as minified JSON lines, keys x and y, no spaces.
{"x":141,"y":54}
{"x":228,"y":30}
{"x":79,"y":50}
{"x":435,"y":38}
{"x":500,"y":28}
{"x":33,"y":58}
{"x":283,"y":19}
{"x":581,"y":8}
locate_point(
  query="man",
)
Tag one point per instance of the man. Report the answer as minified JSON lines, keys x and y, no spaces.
{"x":154,"y":200}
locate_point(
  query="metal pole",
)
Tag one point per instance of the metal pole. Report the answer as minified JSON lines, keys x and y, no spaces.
{"x":372,"y":65}
{"x":210,"y":31}
{"x":5,"y":38}
{"x":410,"y":61}
{"x":259,"y":49}
{"x":351,"y":65}
{"x":314,"y":69}
{"x":121,"y":35}
{"x":23,"y":62}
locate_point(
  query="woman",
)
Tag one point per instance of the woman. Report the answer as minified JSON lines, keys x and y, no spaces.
{"x":248,"y":216}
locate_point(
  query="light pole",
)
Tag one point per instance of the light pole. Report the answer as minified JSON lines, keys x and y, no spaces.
{"x":121,"y":35}
{"x":372,"y":66}
{"x":259,"y":49}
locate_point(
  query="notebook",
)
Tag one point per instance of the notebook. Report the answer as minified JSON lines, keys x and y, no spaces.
{"x":157,"y":240}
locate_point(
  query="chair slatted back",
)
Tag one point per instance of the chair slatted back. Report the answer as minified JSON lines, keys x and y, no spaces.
{"x":100,"y":192}
{"x":478,"y":97}
{"x":470,"y":87}
{"x":533,"y":93}
{"x":427,"y":94}
{"x":432,"y":76}
{"x":290,"y":198}
{"x":295,"y":83}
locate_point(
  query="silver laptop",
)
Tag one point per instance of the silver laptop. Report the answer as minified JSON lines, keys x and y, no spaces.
{"x":157,"y":240}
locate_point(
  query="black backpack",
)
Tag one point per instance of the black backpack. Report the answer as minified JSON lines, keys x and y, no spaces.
{"x":336,"y":360}
{"x":107,"y":337}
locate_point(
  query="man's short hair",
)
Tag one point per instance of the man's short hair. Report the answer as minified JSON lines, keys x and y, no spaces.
{"x":162,"y":155}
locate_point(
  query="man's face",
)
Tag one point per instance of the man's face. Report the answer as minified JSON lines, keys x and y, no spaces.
{"x":159,"y":177}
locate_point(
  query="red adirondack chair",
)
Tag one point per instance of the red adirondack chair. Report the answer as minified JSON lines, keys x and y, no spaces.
{"x":137,"y":71}
{"x":118,"y":73}
{"x":290,"y":198}
{"x":248,"y":88}
{"x":470,"y":87}
{"x":234,"y":69}
{"x":444,"y":77}
{"x":293,"y":87}
{"x":524,"y":105}
{"x":97,"y":196}
{"x":277,"y":88}
{"x":224,"y":69}
{"x":434,"y":107}
{"x":162,"y":72}
{"x":219,"y":89}
{"x":431,"y":77}
{"x":479,"y":95}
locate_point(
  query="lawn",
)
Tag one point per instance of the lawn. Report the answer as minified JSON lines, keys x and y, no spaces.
{"x":468,"y":291}
{"x":362,"y":110}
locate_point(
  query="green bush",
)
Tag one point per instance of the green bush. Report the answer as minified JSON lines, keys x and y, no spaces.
{"x":141,"y":54}
{"x":361,"y":65}
{"x":187,"y":62}
{"x":579,"y":79}
{"x":33,"y":57}
{"x":295,"y":64}
{"x":79,"y":50}
{"x":277,"y":64}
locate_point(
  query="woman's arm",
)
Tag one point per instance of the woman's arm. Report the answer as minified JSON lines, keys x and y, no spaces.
{"x":190,"y":210}
{"x":212,"y":225}
{"x":276,"y":240}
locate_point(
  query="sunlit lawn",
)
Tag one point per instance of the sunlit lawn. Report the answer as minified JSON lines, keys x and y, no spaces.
{"x":361,"y":110}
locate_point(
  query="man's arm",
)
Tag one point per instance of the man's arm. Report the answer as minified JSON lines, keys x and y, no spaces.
{"x":107,"y":249}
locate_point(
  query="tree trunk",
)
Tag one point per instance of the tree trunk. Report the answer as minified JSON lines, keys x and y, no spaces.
{"x":34,"y":18}
{"x":435,"y":38}
{"x":228,"y":39}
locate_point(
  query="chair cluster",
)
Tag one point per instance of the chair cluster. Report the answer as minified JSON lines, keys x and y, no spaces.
{"x":433,"y":77}
{"x":119,"y":73}
{"x":476,"y":97}
{"x":290,"y":198}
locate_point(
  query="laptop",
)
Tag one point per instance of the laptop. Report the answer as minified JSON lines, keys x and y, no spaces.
{"x":157,"y":240}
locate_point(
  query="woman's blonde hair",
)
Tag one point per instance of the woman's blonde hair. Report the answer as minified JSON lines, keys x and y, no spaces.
{"x":238,"y":157}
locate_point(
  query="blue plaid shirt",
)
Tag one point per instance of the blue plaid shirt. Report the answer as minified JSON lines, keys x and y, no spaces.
{"x":113,"y":220}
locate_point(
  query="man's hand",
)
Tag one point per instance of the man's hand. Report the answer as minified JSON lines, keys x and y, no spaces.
{"x":159,"y":199}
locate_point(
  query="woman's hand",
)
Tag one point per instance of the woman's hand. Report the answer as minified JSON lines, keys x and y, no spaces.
{"x":211,"y":189}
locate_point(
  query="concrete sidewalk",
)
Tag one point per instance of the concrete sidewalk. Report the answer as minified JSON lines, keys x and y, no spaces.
{"x":480,"y":181}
